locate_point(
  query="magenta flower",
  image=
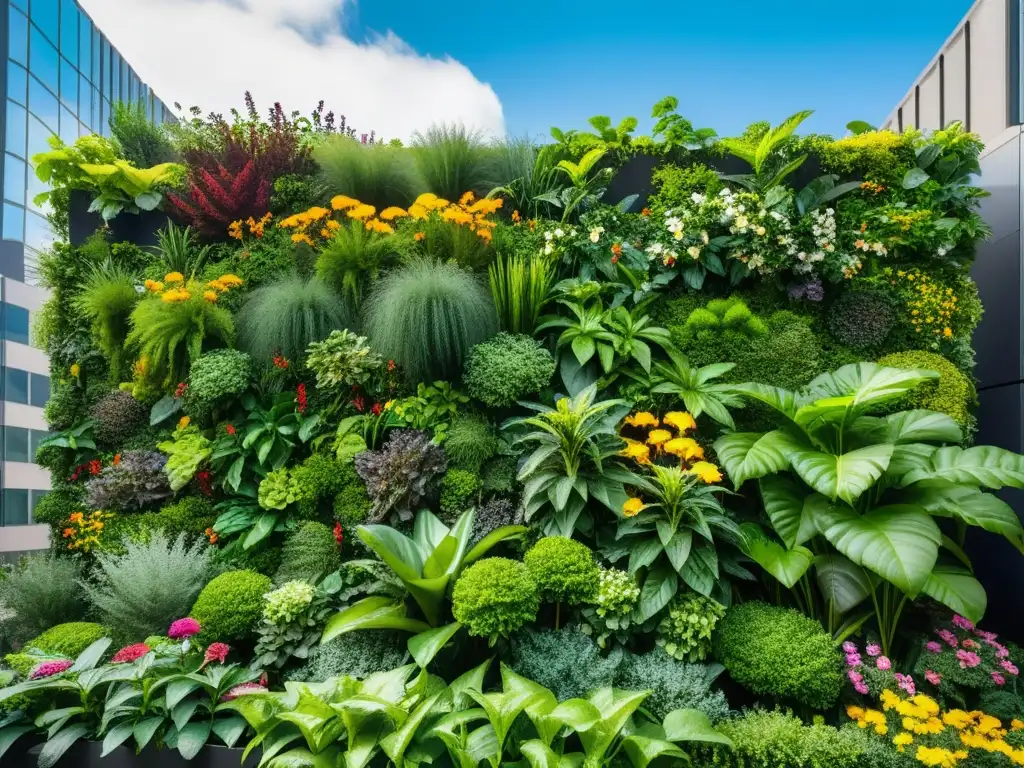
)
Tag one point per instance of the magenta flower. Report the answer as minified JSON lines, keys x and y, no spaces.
{"x":883,"y":663}
{"x":932,"y":677}
{"x":216,"y":652}
{"x":962,"y":623}
{"x":934,"y":647}
{"x":1002,"y":652}
{"x":1009,"y":666}
{"x":849,"y":647}
{"x":861,"y":688}
{"x":853,"y":659}
{"x":968,"y":659}
{"x":243,"y":690}
{"x":51,"y":668}
{"x":130,"y":653}
{"x":855,"y":676}
{"x":968,"y":643}
{"x":988,"y":637}
{"x":998,"y":679}
{"x":182,"y":629}
{"x":947,"y":636}
{"x":873,"y":649}
{"x":906,"y":682}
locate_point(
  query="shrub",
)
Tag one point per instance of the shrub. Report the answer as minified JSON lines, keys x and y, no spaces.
{"x":673,"y":684}
{"x":377,"y":174}
{"x":493,"y":515}
{"x":352,"y":503}
{"x":952,"y":394}
{"x":565,"y":661}
{"x":469,"y":442}
{"x":39,"y":593}
{"x":564,"y":570}
{"x":68,"y":640}
{"x":190,"y":516}
{"x":507,"y":368}
{"x":296,"y":193}
{"x":215,"y":377}
{"x":780,"y":740}
{"x":612,"y":614}
{"x":352,"y":258}
{"x":788,"y":356}
{"x":59,"y":504}
{"x":229,"y":607}
{"x":355,"y":654}
{"x":402,"y":474}
{"x":780,"y":652}
{"x":452,"y":160}
{"x":138,"y":481}
{"x":459,"y":490}
{"x":500,"y":475}
{"x":495,"y":596}
{"x":343,"y":359}
{"x":861,"y":319}
{"x":685,"y":633}
{"x":139,"y":593}
{"x":308,"y":554}
{"x":427,"y":316}
{"x":117,"y":416}
{"x":143,"y":142}
{"x":287,"y":315}
{"x":318,"y":478}
{"x":674,"y":185}
{"x":278,"y":489}
{"x":107,"y":301}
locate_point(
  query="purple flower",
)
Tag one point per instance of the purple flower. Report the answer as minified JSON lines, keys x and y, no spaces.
{"x":968,"y":658}
{"x":998,"y":679}
{"x":1009,"y":666}
{"x":861,"y":688}
{"x":243,"y":690}
{"x":906,"y":682}
{"x":962,"y":623}
{"x":849,"y":647}
{"x":883,"y":663}
{"x":855,"y":676}
{"x":853,"y":659}
{"x":51,"y":668}
{"x":182,"y":629}
{"x":874,"y":649}
{"x":988,"y":637}
{"x":934,"y":647}
{"x":947,"y":636}
{"x":932,"y":677}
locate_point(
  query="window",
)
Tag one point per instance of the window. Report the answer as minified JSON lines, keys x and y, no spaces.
{"x":97,"y":50}
{"x":42,"y":104}
{"x":14,"y":222}
{"x":18,"y":37}
{"x":84,"y":43}
{"x":15,"y":386}
{"x":68,"y":85}
{"x":15,"y":501}
{"x":38,"y":235}
{"x":37,"y":137}
{"x":23,"y":4}
{"x":16,"y":444}
{"x":84,"y":104}
{"x":69,"y":15}
{"x":35,"y":437}
{"x":44,"y":15}
{"x":17,"y":129}
{"x":115,"y":75}
{"x":14,"y":179}
{"x":68,"y":126}
{"x":15,"y":323}
{"x":17,"y":82}
{"x":44,"y":62}
{"x":38,"y":389}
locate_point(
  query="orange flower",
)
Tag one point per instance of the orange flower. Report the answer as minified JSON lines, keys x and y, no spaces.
{"x":466,"y":199}
{"x":117,"y":459}
{"x":516,"y":217}
{"x":210,"y":295}
{"x":645,"y":212}
{"x":419,"y":236}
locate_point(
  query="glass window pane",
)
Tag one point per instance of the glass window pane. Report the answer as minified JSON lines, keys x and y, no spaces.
{"x":69,"y":15}
{"x":39,"y":389}
{"x":16,"y":386}
{"x":96,"y":51}
{"x":17,"y":36}
{"x":115,"y":76}
{"x":15,"y":503}
{"x":68,"y":126}
{"x":42,"y":104}
{"x":104,"y":80}
{"x":15,"y":323}
{"x":15,"y":444}
{"x":37,"y":137}
{"x":14,"y":222}
{"x":17,"y":82}
{"x":17,"y":128}
{"x":84,"y":43}
{"x":38,"y":234}
{"x":68,"y":85}
{"x":84,"y":106}
{"x":43,"y":60}
{"x":44,"y":14}
{"x":14,"y":179}
{"x":125,"y":78}
{"x":23,"y":4}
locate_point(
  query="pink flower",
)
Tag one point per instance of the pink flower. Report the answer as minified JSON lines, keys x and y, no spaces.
{"x":948,"y":636}
{"x":998,"y":679}
{"x":216,"y":652}
{"x":861,"y":688}
{"x":934,"y":647}
{"x":855,"y":676}
{"x":51,"y":668}
{"x":968,"y":659}
{"x":874,"y":649}
{"x":932,"y":677}
{"x":1002,"y":652}
{"x":853,"y":659}
{"x":849,"y":647}
{"x":968,"y":643}
{"x":1009,"y":666}
{"x":883,"y":663}
{"x":988,"y":637}
{"x":962,"y":623}
{"x":130,"y":653}
{"x":182,"y":629}
{"x":906,"y":682}
{"x":243,"y":690}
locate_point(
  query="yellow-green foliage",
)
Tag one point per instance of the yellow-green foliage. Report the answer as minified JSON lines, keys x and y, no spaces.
{"x":229,"y":607}
{"x":952,"y":394}
{"x":880,"y":156}
{"x":495,"y":596}
{"x":68,"y":640}
{"x":565,"y":570}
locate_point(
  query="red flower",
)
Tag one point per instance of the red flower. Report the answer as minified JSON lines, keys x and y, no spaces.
{"x":300,"y":398}
{"x":359,"y":404}
{"x":391,"y":365}
{"x":216,"y":652}
{"x":230,"y":429}
{"x":280,"y":362}
{"x":337,"y":533}
{"x":95,"y":467}
{"x":377,"y":408}
{"x":180,"y":389}
{"x":203,"y":479}
{"x":130,"y":653}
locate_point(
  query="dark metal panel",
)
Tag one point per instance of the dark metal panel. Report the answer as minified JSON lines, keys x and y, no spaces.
{"x":997,"y":340}
{"x":1000,"y":175}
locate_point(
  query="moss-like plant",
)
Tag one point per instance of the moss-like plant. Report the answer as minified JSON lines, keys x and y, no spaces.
{"x":507,"y":368}
{"x":952,"y":394}
{"x":459,"y":490}
{"x":426,"y":316}
{"x":861,"y":319}
{"x":309,"y":553}
{"x":469,"y":442}
{"x":495,"y":597}
{"x":214,"y":378}
{"x":564,"y":570}
{"x":68,"y":640}
{"x":116,"y":416}
{"x":229,"y":607}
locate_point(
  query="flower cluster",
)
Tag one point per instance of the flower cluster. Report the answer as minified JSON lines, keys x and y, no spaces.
{"x":965,"y":658}
{"x":467,"y":212}
{"x":174,"y":289}
{"x":83,"y":532}
{"x":862,"y":673}
{"x":284,"y":604}
{"x":183,"y":629}
{"x":130,"y":653}
{"x":51,"y":668}
{"x":664,"y":438}
{"x":256,"y":226}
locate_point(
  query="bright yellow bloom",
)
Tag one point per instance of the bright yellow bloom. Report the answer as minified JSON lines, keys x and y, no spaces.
{"x":706,"y":471}
{"x":333,"y":225}
{"x":153,"y":285}
{"x":681,"y":420}
{"x":300,"y":237}
{"x":854,"y":713}
{"x":75,"y":369}
{"x":375,"y":225}
{"x":210,"y":295}
{"x":902,"y":740}
{"x":889,"y":700}
{"x":343,"y":202}
{"x":235,"y":230}
{"x":486,"y":206}
{"x":456,"y":215}
{"x":937,"y":757}
{"x":183,"y":422}
{"x":658,"y":436}
{"x":174,"y":277}
{"x":643,"y":419}
{"x":1017,"y":725}
{"x":231,"y":280}
{"x":874,"y":717}
{"x":957,"y":718}
{"x":632,"y":507}
{"x":927,"y":704}
{"x":393,"y":212}
{"x":316,"y":212}
{"x":426,"y":200}
{"x":175,"y":295}
{"x":684,"y":447}
{"x":466,"y":199}
{"x":418,"y":211}
{"x":637,"y":451}
{"x":419,"y":236}
{"x":361,"y":212}
{"x":217,"y":285}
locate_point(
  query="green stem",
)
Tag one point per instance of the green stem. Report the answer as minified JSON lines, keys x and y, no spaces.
{"x":558,"y":614}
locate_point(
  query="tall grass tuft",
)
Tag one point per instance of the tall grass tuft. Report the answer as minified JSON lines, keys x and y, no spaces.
{"x":377,"y":174}
{"x":107,"y":299}
{"x":142,"y":141}
{"x":520,"y":172}
{"x":453,"y":160}
{"x":352,"y":258}
{"x":286,"y":316}
{"x":426,"y":316}
{"x":519,"y":286}
{"x":39,"y":593}
{"x":179,"y":250}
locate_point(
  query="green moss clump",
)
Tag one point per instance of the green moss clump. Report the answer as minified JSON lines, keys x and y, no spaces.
{"x":507,"y":368}
{"x":351,"y":503}
{"x":319,"y":478}
{"x":229,"y":607}
{"x":564,"y":570}
{"x":309,"y":553}
{"x":952,"y":394}
{"x":459,"y":490}
{"x":191,"y":516}
{"x":495,"y":596}
{"x":674,"y":185}
{"x":68,"y":640}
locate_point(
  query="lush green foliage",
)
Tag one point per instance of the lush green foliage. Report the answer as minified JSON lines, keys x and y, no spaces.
{"x":452,"y":160}
{"x":673,"y":684}
{"x":229,"y":607}
{"x":459,"y":491}
{"x":952,"y":394}
{"x":564,"y":660}
{"x":116,"y":417}
{"x":508,"y":368}
{"x":309,"y":554}
{"x":68,"y":640}
{"x":377,"y":174}
{"x":685,"y":632}
{"x":41,"y":592}
{"x":495,"y":597}
{"x":215,"y":378}
{"x":563,"y":570}
{"x":469,"y":442}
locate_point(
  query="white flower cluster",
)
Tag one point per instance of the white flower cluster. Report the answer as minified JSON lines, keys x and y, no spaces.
{"x":552,"y":236}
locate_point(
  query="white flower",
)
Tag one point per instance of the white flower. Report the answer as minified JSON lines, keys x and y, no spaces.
{"x":724,"y":192}
{"x":655,"y":249}
{"x":730,"y":212}
{"x":761,"y":231}
{"x":698,"y":198}
{"x":829,"y":212}
{"x":668,"y":213}
{"x":694,"y":251}
{"x":595,"y":234}
{"x":742,"y":209}
{"x":705,"y":238}
{"x":559,"y":232}
{"x":830,"y":248}
{"x":675,"y":224}
{"x":548,"y":249}
{"x":816,"y":230}
{"x":741,"y":222}
{"x":943,"y":250}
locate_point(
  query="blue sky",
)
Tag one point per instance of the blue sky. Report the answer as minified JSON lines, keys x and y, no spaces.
{"x":730,"y":62}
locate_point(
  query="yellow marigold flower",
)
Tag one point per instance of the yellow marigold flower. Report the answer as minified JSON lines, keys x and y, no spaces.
{"x":947,"y":332}
{"x":632,"y":507}
{"x":231,"y":280}
{"x":873,"y":716}
{"x":854,"y":713}
{"x":418,"y":212}
{"x":393,"y":212}
{"x":174,"y":277}
{"x":419,"y":236}
{"x":361,"y":212}
{"x":658,"y":436}
{"x":486,"y":206}
{"x":210,"y":295}
{"x":217,"y":285}
{"x":926,"y":704}
{"x":343,"y":202}
{"x":301,"y":238}
{"x":183,"y":422}
{"x":889,"y":700}
{"x":1017,"y":725}
{"x":901,"y":740}
{"x":684,"y":447}
{"x":333,"y":225}
{"x":426,"y":200}
{"x":75,"y":369}
{"x":637,"y":451}
{"x":643,"y":419}
{"x":706,"y":471}
{"x":456,"y":215}
{"x":235,"y":229}
{"x":291,"y":221}
{"x":467,"y":198}
{"x":316,"y":212}
{"x":485,"y":235}
{"x":957,"y":718}
{"x":379,"y":226}
{"x":681,"y":420}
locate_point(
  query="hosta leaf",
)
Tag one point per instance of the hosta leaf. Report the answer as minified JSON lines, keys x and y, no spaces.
{"x":958,"y":591}
{"x":692,"y":725}
{"x":784,"y":500}
{"x":748,"y":455}
{"x":982,"y":465}
{"x":787,"y":565}
{"x":846,"y":476}
{"x":972,"y":505}
{"x":844,"y":584}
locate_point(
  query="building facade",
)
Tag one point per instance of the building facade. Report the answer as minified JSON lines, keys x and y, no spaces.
{"x":61,"y":76}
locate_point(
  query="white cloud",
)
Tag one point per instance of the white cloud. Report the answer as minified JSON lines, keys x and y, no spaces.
{"x":209,"y":52}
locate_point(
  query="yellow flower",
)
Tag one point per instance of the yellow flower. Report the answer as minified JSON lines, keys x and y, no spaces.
{"x":174,"y":277}
{"x":210,"y":295}
{"x":75,"y":369}
{"x":684,"y":448}
{"x":418,"y":212}
{"x":153,"y":285}
{"x":637,"y":451}
{"x":1017,"y":725}
{"x":342,"y":202}
{"x":235,"y":230}
{"x":217,"y":285}
{"x":427,"y":200}
{"x":902,"y":740}
{"x":231,"y":280}
{"x":316,"y":212}
{"x":379,"y":226}
{"x":361,"y":212}
{"x":874,"y":717}
{"x":642,"y":419}
{"x":300,"y":237}
{"x":706,"y":471}
{"x":466,"y":198}
{"x":333,"y":225}
{"x":681,"y":420}
{"x":393,"y":212}
{"x":183,"y":422}
{"x":926,"y":704}
{"x":947,"y":332}
{"x":658,"y":436}
{"x":632,"y":507}
{"x":889,"y":700}
{"x":937,"y":757}
{"x":419,"y":236}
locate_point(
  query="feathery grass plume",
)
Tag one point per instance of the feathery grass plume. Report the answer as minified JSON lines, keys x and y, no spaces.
{"x":287,"y":315}
{"x":139,"y":593}
{"x":179,"y":250}
{"x":377,"y":174}
{"x":426,"y":316}
{"x":453,"y":160}
{"x":39,"y":593}
{"x":107,"y":300}
{"x":352,"y":258}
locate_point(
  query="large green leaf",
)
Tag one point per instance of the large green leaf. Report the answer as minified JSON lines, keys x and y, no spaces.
{"x":784,"y":500}
{"x":397,"y":550}
{"x":372,"y":613}
{"x":972,"y":505}
{"x":787,"y":565}
{"x":846,"y":476}
{"x":868,"y":384}
{"x":692,"y":725}
{"x":61,"y":742}
{"x":616,"y":707}
{"x":844,"y":584}
{"x":642,"y":750}
{"x":982,"y":465}
{"x":899,"y":542}
{"x":922,"y":426}
{"x":958,"y":591}
{"x":426,"y":645}
{"x":782,"y":400}
{"x":749,"y":455}
{"x":658,"y":590}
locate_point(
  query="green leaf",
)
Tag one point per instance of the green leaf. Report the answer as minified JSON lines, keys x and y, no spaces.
{"x":784,"y":501}
{"x":782,"y":400}
{"x":975,"y":507}
{"x":787,"y":565}
{"x":372,"y":613}
{"x":982,"y":465}
{"x":658,"y":590}
{"x":90,"y":657}
{"x":678,"y":549}
{"x":148,"y":201}
{"x":958,"y":591}
{"x":426,"y":645}
{"x":644,"y":553}
{"x":116,"y":736}
{"x":177,"y":690}
{"x":914,"y":178}
{"x":750,"y":455}
{"x":642,"y":750}
{"x":263,"y":527}
{"x":61,"y":742}
{"x":145,"y":730}
{"x":395,"y":745}
{"x":163,"y":409}
{"x":10,"y":734}
{"x":192,"y":738}
{"x":692,"y":725}
{"x":922,"y":426}
{"x":229,"y":729}
{"x":868,"y":384}
{"x":398,"y":551}
{"x":899,"y":542}
{"x":846,"y":476}
{"x":844,"y":584}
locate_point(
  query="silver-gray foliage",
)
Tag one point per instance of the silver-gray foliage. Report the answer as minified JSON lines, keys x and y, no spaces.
{"x":39,"y":593}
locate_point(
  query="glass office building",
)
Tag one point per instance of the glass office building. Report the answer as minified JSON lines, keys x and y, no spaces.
{"x":61,"y":76}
